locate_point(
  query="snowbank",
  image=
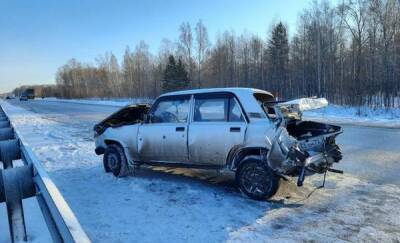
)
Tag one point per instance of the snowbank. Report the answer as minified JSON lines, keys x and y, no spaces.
{"x":358,"y":116}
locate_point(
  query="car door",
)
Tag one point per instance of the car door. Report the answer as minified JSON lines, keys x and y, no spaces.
{"x":163,"y":138}
{"x":217,"y":125}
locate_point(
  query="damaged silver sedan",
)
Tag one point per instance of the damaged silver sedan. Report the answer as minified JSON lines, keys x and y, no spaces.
{"x":241,"y":129}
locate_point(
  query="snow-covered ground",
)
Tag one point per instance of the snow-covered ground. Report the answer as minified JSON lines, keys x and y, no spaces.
{"x":182,"y":205}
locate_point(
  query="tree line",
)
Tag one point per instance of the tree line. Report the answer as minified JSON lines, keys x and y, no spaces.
{"x":348,"y":53}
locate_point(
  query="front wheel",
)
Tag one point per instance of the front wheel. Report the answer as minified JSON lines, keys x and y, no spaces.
{"x":256,"y":180}
{"x":114,"y":160}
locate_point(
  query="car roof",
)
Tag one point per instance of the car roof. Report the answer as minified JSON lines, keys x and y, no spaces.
{"x":235,"y":90}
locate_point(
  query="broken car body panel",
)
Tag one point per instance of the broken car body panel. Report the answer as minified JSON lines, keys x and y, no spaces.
{"x":219,"y":127}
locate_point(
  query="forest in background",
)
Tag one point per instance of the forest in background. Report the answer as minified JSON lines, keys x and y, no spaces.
{"x":348,"y":53}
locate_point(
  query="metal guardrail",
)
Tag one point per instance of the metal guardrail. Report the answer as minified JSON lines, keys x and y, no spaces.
{"x":32,"y":180}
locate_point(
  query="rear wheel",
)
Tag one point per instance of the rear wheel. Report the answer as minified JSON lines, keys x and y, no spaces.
{"x":334,"y":151}
{"x":256,"y":180}
{"x":114,"y":160}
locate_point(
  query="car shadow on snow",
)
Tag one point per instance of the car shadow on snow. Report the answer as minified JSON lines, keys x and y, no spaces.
{"x":224,"y":182}
{"x":191,"y":200}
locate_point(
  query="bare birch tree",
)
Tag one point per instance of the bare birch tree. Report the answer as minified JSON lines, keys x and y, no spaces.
{"x":202,"y":47}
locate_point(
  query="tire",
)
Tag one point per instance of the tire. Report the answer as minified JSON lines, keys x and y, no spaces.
{"x":256,"y":180}
{"x":334,"y":152}
{"x":114,"y":160}
{"x":105,"y":164}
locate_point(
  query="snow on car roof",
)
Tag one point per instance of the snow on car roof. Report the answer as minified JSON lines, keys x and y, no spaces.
{"x":236,"y":90}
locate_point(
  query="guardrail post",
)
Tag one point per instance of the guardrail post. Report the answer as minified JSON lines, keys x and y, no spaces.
{"x":6,"y":133}
{"x":25,"y":180}
{"x":9,"y":151}
{"x":17,"y":184}
{"x":4,"y":124}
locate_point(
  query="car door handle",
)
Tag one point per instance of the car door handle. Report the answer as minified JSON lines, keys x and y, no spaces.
{"x":235,"y":129}
{"x":180,"y":129}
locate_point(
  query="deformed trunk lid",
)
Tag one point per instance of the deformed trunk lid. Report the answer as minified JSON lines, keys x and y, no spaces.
{"x":305,"y":104}
{"x":294,"y":109}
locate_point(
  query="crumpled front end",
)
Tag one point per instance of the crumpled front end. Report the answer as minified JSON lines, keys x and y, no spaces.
{"x":304,"y":150}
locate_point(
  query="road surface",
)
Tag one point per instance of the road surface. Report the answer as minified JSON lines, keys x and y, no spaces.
{"x":188,"y":205}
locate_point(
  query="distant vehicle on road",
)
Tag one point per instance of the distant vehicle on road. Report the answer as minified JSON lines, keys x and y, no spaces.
{"x":23,"y":97}
{"x":241,"y":129}
{"x":30,"y":93}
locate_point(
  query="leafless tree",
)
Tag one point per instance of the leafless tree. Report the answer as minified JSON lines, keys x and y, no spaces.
{"x":202,"y":47}
{"x":186,"y":43}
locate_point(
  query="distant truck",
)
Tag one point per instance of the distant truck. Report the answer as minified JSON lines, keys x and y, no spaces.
{"x":30,"y":93}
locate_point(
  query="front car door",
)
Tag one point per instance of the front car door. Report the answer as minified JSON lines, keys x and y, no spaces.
{"x":163,"y":138}
{"x":218,"y":124}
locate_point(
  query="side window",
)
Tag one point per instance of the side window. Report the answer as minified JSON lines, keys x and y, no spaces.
{"x":210,"y":110}
{"x":235,"y":114}
{"x":171,"y":111}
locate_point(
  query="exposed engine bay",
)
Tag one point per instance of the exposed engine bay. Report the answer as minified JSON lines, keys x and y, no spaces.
{"x":300,"y":147}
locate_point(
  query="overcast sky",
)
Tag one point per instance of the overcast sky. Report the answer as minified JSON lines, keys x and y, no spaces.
{"x":37,"y":37}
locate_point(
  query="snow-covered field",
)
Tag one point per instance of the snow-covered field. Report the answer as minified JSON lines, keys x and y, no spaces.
{"x":182,"y":205}
{"x":359,"y":116}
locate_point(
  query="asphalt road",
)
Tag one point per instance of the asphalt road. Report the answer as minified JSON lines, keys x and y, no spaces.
{"x":371,"y":153}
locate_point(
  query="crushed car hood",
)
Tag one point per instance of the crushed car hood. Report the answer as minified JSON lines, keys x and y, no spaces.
{"x":127,"y":115}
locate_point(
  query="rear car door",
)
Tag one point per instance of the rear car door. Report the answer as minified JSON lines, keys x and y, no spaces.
{"x":163,"y":138}
{"x":217,"y":125}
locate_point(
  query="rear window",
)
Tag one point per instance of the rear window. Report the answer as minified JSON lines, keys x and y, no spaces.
{"x":224,"y":109}
{"x":210,"y":109}
{"x":267,"y":103}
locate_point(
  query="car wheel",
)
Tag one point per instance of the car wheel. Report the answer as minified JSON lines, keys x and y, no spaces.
{"x":334,"y":152}
{"x":256,"y":180}
{"x":114,"y":160}
{"x":105,"y":163}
